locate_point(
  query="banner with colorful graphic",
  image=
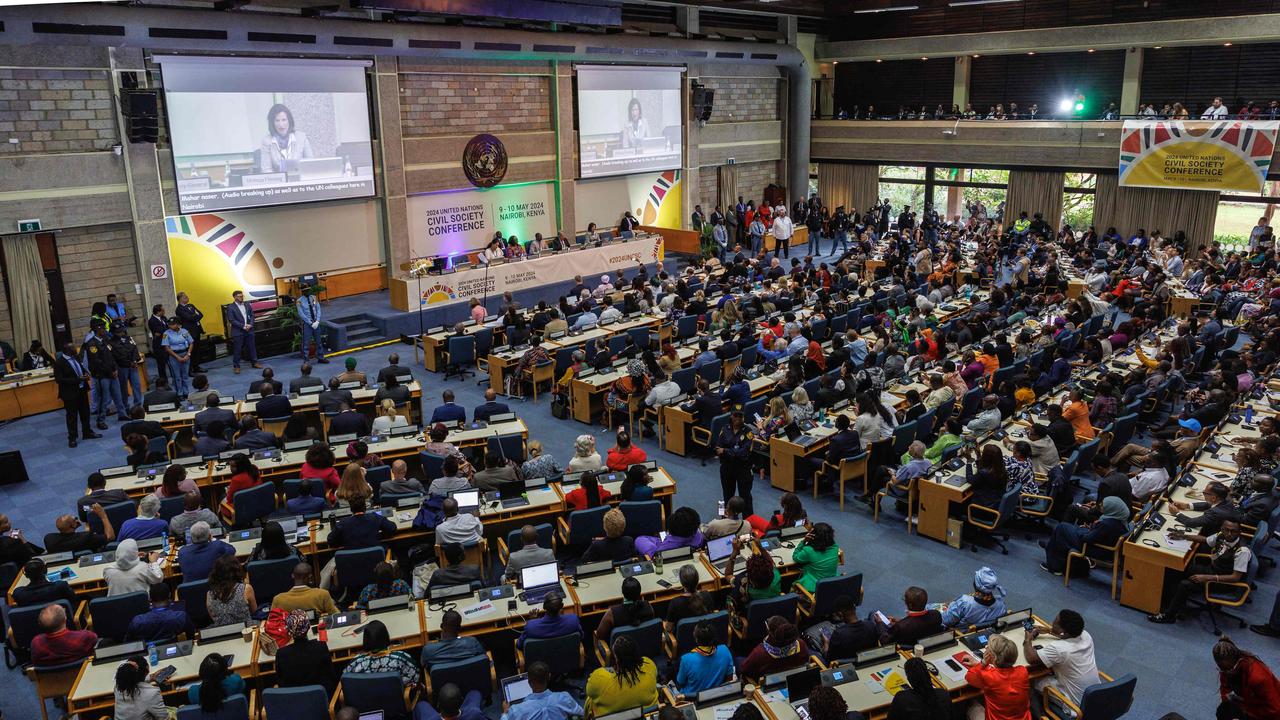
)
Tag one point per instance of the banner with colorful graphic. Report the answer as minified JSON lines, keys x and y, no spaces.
{"x":1197,"y":154}
{"x":461,"y":286}
{"x":654,"y":199}
{"x":215,"y":254}
{"x":453,"y":222}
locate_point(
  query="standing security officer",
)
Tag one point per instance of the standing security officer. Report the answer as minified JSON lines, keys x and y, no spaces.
{"x":99,"y":356}
{"x":126,"y":353}
{"x":733,"y":447}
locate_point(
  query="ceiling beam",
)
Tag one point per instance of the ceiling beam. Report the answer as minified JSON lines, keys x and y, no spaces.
{"x":1116,"y":36}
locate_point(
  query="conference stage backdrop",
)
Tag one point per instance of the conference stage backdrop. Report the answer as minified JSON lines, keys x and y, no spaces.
{"x":1197,"y":154}
{"x":654,"y":198}
{"x":453,"y":222}
{"x":535,"y":272}
{"x":212,"y":255}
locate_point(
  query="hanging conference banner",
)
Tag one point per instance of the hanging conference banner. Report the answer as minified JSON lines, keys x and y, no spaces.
{"x":1197,"y":154}
{"x":458,"y":221}
{"x":546,"y":269}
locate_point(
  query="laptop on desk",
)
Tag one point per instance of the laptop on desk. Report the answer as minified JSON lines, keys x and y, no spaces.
{"x":718,"y":552}
{"x":536,"y":581}
{"x":799,"y":685}
{"x":516,"y":688}
{"x":468,"y":500}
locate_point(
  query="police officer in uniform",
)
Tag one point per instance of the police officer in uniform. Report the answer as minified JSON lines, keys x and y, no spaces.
{"x":100,"y":358}
{"x":126,"y":353}
{"x":734,"y":450}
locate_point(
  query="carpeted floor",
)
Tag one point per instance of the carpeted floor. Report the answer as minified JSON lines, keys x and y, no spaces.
{"x":1173,"y":664}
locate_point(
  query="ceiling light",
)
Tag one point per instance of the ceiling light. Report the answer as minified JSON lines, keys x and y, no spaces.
{"x":1032,"y":52}
{"x":879,"y":60}
{"x":962,"y":3}
{"x":1226,"y":44}
{"x":924,"y":58}
{"x":1156,"y":47}
{"x":1090,"y":49}
{"x":896,"y":8}
{"x":977,"y":56}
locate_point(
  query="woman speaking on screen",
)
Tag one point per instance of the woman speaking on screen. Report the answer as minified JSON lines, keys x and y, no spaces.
{"x":636,"y":129}
{"x":283,"y":143}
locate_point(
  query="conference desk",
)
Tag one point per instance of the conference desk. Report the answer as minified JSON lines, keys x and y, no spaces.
{"x":499,"y":362}
{"x":722,"y":709}
{"x":31,"y":392}
{"x":595,"y":595}
{"x":1151,"y":553}
{"x":482,"y":616}
{"x":184,"y":415}
{"x":677,"y":422}
{"x":586,"y":395}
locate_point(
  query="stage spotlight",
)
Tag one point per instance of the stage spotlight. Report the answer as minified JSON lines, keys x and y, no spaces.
{"x":1065,"y":105}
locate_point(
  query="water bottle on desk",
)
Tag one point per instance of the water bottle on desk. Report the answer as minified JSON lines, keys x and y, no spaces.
{"x":153,"y":656}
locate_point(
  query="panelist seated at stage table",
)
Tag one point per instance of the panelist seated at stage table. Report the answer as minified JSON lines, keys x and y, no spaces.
{"x":272,"y":404}
{"x":252,"y":437}
{"x":305,"y":380}
{"x":448,"y":412}
{"x":490,"y":406}
{"x":348,"y":421}
{"x":211,"y":413}
{"x":331,"y":399}
{"x":268,"y":380}
{"x":350,"y":374}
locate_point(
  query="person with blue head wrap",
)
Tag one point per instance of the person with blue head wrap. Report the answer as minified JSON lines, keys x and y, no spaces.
{"x":984,"y":604}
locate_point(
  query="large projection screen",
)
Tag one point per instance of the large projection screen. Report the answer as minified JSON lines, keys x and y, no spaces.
{"x":629,"y":119}
{"x":252,"y":132}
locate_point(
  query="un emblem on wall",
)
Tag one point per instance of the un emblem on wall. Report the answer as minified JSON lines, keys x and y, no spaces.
{"x":484,"y":161}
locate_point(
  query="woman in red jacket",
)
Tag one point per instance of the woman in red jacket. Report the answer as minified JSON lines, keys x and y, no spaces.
{"x":1005,"y":690}
{"x":244,"y":475}
{"x":1247,"y":687}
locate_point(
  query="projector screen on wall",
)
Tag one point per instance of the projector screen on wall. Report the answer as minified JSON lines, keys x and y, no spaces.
{"x":252,"y":132}
{"x":629,"y":119}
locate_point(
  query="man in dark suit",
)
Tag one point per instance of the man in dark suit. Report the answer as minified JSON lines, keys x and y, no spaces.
{"x":448,"y":412}
{"x":268,"y":379}
{"x":159,"y":394}
{"x":139,"y":424}
{"x":212,"y":412}
{"x":706,"y":405}
{"x":98,"y":493}
{"x":272,"y":405}
{"x":918,"y":623}
{"x":72,"y":378}
{"x":240,"y":323}
{"x":393,"y":369}
{"x":304,"y":381}
{"x":1216,"y":509}
{"x":846,"y":443}
{"x":252,"y":437}
{"x":190,"y":317}
{"x":827,"y":394}
{"x":348,"y":421}
{"x":490,"y":407}
{"x":331,"y":400}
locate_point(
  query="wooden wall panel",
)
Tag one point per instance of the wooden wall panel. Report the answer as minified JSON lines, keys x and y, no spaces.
{"x":1046,"y":79}
{"x":892,"y":83}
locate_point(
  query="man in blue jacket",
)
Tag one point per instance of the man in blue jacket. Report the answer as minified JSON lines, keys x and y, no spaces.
{"x":309,"y":320}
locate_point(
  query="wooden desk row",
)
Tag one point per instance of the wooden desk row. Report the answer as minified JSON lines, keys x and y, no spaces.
{"x":184,"y":416}
{"x":31,"y":392}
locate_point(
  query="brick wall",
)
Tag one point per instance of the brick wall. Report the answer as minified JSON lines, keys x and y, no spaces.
{"x":51,"y":111}
{"x":97,"y":260}
{"x":753,"y":178}
{"x":744,"y":99}
{"x":465,"y":104}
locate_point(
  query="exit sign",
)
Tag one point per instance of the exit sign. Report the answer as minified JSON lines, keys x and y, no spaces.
{"x":27,"y":226}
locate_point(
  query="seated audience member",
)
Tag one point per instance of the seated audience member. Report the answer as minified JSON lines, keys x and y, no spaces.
{"x":691,"y":602}
{"x":196,"y":558}
{"x":212,"y":413}
{"x":161,"y":394}
{"x":451,"y":646}
{"x":588,"y":494}
{"x":244,"y":475}
{"x":392,"y":392}
{"x":496,"y":472}
{"x":846,"y":635}
{"x":385,"y":584}
{"x":781,"y":649}
{"x":461,"y":528}
{"x":451,"y":704}
{"x":585,"y":456}
{"x":633,"y":611}
{"x":540,"y":463}
{"x":379,"y":658}
{"x":1067,"y":651}
{"x":139,"y":425}
{"x":304,"y":380}
{"x":393,"y":369}
{"x":352,"y":487}
{"x":400,"y":482}
{"x":164,"y":621}
{"x":331,"y":400}
{"x":616,"y":545}
{"x":147,"y":524}
{"x":348,"y":421}
{"x":362,"y":529}
{"x":988,"y":418}
{"x":350,"y":374}
{"x":129,"y":573}
{"x":57,"y":644}
{"x":66,"y":539}
{"x":39,"y":590}
{"x":551,"y":622}
{"x":759,"y":579}
{"x":490,"y":407}
{"x":305,"y":502}
{"x":542,"y":703}
{"x":630,"y":681}
{"x":985,"y":603}
{"x":919,"y":622}
{"x":826,"y":703}
{"x":529,"y":554}
{"x":98,"y":493}
{"x":1216,"y":508}
{"x":635,"y":486}
{"x":140,"y":452}
{"x":708,"y":665}
{"x":273,"y":545}
{"x":817,"y":556}
{"x":1004,"y":685}
{"x":448,"y":412}
{"x":273,"y":404}
{"x":217,"y":683}
{"x":268,"y":383}
{"x":451,"y":481}
{"x":1229,"y":558}
{"x":213,"y":443}
{"x":305,"y":660}
{"x":455,"y":570}
{"x":682,"y":531}
{"x":1248,"y":689}
{"x":230,"y":598}
{"x":733,"y":523}
{"x":920,"y":699}
{"x":623,"y":455}
{"x":1066,"y":537}
{"x":388,"y":417}
{"x":304,"y":595}
{"x":136,"y":695}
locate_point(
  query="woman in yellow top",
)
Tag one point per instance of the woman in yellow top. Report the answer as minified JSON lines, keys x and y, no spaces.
{"x":817,"y":555}
{"x":630,"y":681}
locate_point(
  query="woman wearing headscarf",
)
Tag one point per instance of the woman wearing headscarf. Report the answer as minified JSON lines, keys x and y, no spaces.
{"x":984,"y":604}
{"x":305,"y":660}
{"x":130,"y":573}
{"x":781,"y":649}
{"x":634,"y":383}
{"x":815,"y":361}
{"x":1109,"y":527}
